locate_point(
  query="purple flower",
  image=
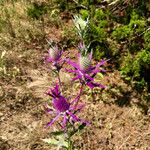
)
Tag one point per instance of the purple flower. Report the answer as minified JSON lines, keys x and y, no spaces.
{"x":54,"y":56}
{"x":85,"y":72}
{"x":61,"y":107}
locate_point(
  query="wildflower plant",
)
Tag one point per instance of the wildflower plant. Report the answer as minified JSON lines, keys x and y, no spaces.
{"x":80,"y":25}
{"x":84,"y":71}
{"x":54,"y":56}
{"x":64,"y":109}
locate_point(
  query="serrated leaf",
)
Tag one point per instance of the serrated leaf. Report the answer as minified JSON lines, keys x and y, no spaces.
{"x":64,"y":143}
{"x":60,"y":142}
{"x":57,"y":133}
{"x":51,"y":141}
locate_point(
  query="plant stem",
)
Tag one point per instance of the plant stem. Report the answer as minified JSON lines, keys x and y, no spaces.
{"x":80,"y":93}
{"x":59,"y":81}
{"x":69,"y":144}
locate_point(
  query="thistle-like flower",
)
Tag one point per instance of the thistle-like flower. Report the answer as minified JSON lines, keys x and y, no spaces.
{"x":54,"y":56}
{"x":80,"y":25}
{"x":85,"y":72}
{"x":61,"y":107}
{"x":79,"y":22}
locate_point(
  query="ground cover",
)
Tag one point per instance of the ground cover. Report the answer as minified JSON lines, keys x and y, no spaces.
{"x":118,"y":118}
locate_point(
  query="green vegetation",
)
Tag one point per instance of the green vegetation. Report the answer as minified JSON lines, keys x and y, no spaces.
{"x":115,"y":30}
{"x":126,"y":30}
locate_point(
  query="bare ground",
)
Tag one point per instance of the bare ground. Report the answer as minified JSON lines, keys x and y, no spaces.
{"x":117,"y":123}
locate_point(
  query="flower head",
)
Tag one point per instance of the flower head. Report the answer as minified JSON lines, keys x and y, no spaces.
{"x":61,"y":107}
{"x":79,"y":22}
{"x":54,"y":54}
{"x":84,"y":62}
{"x":80,"y":25}
{"x":85,"y":72}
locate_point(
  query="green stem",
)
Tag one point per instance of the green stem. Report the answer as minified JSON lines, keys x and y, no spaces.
{"x":70,"y":144}
{"x":59,"y":80}
{"x":80,"y":93}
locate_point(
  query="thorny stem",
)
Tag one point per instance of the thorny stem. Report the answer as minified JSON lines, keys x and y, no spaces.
{"x":69,"y":143}
{"x":58,"y":75}
{"x":69,"y":147}
{"x":93,"y":95}
{"x":59,"y":80}
{"x":80,"y":93}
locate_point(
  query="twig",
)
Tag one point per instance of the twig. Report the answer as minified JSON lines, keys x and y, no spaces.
{"x":124,"y":142}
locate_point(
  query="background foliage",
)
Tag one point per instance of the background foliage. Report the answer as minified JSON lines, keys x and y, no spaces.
{"x":118,"y":30}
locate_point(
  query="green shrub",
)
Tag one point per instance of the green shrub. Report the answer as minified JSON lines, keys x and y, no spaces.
{"x":137,"y":69}
{"x":96,"y":34}
{"x":147,"y":39}
{"x":121,"y":33}
{"x":36,"y":10}
{"x":135,"y":27}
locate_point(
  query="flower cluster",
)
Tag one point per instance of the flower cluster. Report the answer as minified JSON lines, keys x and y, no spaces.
{"x":54,"y":56}
{"x":80,"y":25}
{"x":84,"y":72}
{"x":61,"y":107}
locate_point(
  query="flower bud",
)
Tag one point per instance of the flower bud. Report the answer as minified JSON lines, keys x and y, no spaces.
{"x":54,"y":53}
{"x":80,"y":23}
{"x":84,"y":62}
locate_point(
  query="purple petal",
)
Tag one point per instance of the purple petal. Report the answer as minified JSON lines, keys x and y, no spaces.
{"x":76,"y":77}
{"x":78,"y":107}
{"x":88,"y":77}
{"x":103,"y":70}
{"x":81,"y":46}
{"x":74,"y":117}
{"x":85,"y":122}
{"x":75,"y":65}
{"x":54,"y":92}
{"x":49,"y":59}
{"x":64,"y":121}
{"x":90,"y":55}
{"x":101,"y":63}
{"x":75,"y":100}
{"x":70,"y":70}
{"x":96,"y":69}
{"x":57,"y":89}
{"x":61,"y":104}
{"x":52,"y":121}
{"x":50,"y":111}
{"x":92,"y":85}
